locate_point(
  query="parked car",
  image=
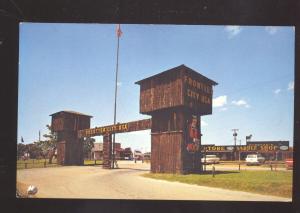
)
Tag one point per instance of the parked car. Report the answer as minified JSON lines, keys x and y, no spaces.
{"x":138,"y":155}
{"x":255,"y":159}
{"x":289,"y":163}
{"x":210,"y":159}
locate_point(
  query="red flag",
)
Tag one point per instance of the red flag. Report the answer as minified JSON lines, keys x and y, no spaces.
{"x":119,"y":32}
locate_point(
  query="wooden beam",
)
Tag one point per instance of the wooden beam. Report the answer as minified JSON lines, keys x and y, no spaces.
{"x":118,"y":128}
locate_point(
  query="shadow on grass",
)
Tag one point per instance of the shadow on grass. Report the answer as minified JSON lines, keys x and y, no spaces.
{"x":201,"y":173}
{"x":217,"y":172}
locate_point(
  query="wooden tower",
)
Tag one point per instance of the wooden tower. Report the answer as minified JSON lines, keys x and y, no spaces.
{"x":176,"y":99}
{"x":65,"y":124}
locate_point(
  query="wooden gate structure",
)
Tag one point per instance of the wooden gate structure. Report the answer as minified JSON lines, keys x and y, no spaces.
{"x":176,"y":99}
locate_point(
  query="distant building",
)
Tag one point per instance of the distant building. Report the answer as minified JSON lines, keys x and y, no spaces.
{"x":271,"y":150}
{"x":97,"y":151}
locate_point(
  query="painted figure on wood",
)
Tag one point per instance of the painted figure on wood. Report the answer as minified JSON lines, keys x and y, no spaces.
{"x":194,"y":135}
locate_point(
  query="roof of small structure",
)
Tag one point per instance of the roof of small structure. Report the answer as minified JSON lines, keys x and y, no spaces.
{"x":178,"y":68}
{"x":71,"y":112}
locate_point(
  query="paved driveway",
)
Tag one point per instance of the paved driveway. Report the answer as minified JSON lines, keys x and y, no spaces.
{"x":123,"y":183}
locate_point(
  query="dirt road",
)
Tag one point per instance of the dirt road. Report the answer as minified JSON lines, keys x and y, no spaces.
{"x":123,"y":183}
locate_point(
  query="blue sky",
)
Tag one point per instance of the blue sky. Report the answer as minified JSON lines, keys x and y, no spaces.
{"x":72,"y":67}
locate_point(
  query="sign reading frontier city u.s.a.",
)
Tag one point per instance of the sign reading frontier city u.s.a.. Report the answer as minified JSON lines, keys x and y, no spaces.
{"x":118,"y":128}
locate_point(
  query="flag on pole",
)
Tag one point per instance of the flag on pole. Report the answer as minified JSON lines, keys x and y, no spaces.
{"x":119,"y":32}
{"x":22,"y":140}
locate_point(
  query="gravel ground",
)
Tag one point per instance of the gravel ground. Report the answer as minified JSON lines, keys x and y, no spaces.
{"x":124,"y":183}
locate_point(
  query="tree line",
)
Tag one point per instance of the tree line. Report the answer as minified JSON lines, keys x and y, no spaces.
{"x":46,"y":149}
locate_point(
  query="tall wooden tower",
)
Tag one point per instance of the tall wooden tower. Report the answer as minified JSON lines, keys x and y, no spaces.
{"x":65,"y":124}
{"x":176,"y":99}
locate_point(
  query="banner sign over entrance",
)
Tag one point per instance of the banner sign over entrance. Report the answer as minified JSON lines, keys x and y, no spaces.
{"x":268,"y":147}
{"x":118,"y":128}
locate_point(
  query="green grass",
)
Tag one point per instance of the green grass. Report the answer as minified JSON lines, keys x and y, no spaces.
{"x":35,"y":163}
{"x":92,"y":162}
{"x":277,"y":183}
{"x":39,"y":163}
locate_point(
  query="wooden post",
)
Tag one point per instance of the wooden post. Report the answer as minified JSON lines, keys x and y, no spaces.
{"x":271,"y":167}
{"x":107,"y":154}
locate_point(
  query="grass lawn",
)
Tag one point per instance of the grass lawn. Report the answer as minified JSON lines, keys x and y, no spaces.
{"x":35,"y":163}
{"x":277,"y":183}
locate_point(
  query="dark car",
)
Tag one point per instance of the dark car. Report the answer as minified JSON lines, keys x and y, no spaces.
{"x":128,"y":155}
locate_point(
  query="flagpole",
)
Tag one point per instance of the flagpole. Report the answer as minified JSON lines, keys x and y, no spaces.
{"x":115,"y":106}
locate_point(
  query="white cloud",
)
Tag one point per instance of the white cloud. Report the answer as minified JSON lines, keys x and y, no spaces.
{"x":220,"y":101}
{"x":291,"y":85}
{"x":223,"y":109}
{"x":119,"y":84}
{"x":241,"y":103}
{"x":271,"y":30}
{"x":232,"y":30}
{"x":277,"y":91}
{"x":203,"y":123}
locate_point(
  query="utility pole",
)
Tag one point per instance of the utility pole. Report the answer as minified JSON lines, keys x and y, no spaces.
{"x":240,"y":150}
{"x":234,"y":138}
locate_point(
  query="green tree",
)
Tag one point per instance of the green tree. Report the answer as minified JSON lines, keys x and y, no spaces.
{"x":21,"y":149}
{"x":88,"y":144}
{"x":50,"y":143}
{"x":44,"y":146}
{"x":34,"y":151}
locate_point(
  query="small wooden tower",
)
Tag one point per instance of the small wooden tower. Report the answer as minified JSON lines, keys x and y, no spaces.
{"x":65,"y":124}
{"x":176,"y":99}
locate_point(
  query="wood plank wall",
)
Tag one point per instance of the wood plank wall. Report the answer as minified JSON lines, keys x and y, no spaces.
{"x":161,"y":93}
{"x":166,"y":152}
{"x":61,"y":152}
{"x":107,"y":151}
{"x":67,"y":125}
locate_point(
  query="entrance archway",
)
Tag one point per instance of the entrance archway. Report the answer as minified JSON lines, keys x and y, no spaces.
{"x":175,"y":99}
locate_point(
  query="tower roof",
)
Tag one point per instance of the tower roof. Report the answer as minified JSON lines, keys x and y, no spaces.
{"x":178,"y":69}
{"x":71,"y":112}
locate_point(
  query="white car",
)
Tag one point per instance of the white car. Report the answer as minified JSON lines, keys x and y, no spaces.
{"x":210,"y":159}
{"x":255,"y":159}
{"x":137,"y":155}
